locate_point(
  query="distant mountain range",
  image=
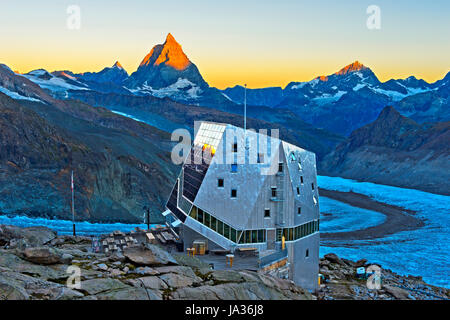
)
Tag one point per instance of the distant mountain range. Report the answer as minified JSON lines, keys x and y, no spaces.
{"x":340,"y":102}
{"x":352,"y":97}
{"x":119,"y":164}
{"x":395,"y":150}
{"x":402,"y":145}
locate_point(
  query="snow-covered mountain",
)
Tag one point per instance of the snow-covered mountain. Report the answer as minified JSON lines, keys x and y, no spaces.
{"x":115,"y":74}
{"x":346,"y":100}
{"x":340,"y":102}
{"x":165,"y":65}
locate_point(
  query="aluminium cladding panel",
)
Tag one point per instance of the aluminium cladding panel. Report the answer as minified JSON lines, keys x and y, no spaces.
{"x":248,"y":182}
{"x":308,"y":199}
{"x":304,"y":270}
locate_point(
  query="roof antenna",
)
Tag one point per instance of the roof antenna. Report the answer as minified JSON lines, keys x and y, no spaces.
{"x":245,"y":116}
{"x":245,"y":108}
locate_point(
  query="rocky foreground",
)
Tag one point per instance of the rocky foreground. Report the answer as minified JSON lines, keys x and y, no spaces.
{"x":36,"y":263}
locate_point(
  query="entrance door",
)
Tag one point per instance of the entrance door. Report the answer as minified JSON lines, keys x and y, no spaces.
{"x":270,"y":239}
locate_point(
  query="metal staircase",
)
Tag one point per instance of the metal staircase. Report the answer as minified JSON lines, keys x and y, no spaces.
{"x":280,"y":222}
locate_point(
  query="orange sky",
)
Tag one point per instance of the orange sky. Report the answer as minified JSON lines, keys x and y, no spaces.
{"x":261,"y":43}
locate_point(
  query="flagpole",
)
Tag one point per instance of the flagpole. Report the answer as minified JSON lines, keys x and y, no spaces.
{"x":245,"y":109}
{"x":73,"y":206}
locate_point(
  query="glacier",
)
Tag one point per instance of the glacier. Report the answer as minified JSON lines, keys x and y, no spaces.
{"x":422,"y":252}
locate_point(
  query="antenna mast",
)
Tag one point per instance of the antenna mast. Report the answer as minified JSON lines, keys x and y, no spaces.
{"x":245,"y":108}
{"x":73,"y":206}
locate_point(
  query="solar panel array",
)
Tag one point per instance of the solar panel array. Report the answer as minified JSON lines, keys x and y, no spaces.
{"x":172,"y":204}
{"x":195,"y":173}
{"x":210,"y":134}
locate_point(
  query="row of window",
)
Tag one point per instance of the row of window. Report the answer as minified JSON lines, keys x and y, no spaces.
{"x":241,"y":236}
{"x":220,"y":184}
{"x":292,"y":234}
{"x":267,"y":212}
{"x":251,"y":236}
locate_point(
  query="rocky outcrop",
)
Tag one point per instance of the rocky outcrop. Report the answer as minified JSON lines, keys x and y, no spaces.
{"x":160,"y":276}
{"x":148,"y":255}
{"x":144,"y":272}
{"x":42,"y":255}
{"x":340,"y":281}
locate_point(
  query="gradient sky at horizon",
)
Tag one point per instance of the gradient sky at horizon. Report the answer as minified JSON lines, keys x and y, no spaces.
{"x":262,"y":43}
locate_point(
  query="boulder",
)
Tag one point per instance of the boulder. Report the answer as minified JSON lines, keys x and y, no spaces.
{"x":145,"y":271}
{"x":175,"y":280}
{"x":190,"y":261}
{"x":116,"y":257}
{"x":221,"y":276}
{"x":182,"y":270}
{"x":32,"y":236}
{"x":42,"y":255}
{"x":130,"y":294}
{"x":235,"y":291}
{"x":397,"y":292}
{"x":149,"y":255}
{"x":11,"y":291}
{"x":360,"y":263}
{"x":333,"y":258}
{"x":96,"y":286}
{"x":148,"y":282}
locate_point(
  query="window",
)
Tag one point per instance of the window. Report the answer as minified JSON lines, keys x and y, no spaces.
{"x":260,"y":158}
{"x":220,"y":227}
{"x":307,"y":253}
{"x":292,"y":156}
{"x":280,"y":167}
{"x":194,"y":213}
{"x":235,"y":147}
{"x":261,"y":235}
{"x":290,"y":235}
{"x":312,"y":186}
{"x":298,"y":190}
{"x":233,"y":234}
{"x":299,"y":210}
{"x":200,"y":215}
{"x":234,"y":167}
{"x":233,"y":193}
{"x":220,"y":183}
{"x":226,"y":231}
{"x":207,"y":220}
{"x":247,"y":235}
{"x":213,"y":223}
{"x":266,"y":213}
{"x":301,"y":179}
{"x":254,"y":236}
{"x":274,"y":192}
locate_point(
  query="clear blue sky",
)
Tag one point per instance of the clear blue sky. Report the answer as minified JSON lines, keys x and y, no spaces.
{"x":259,"y":42}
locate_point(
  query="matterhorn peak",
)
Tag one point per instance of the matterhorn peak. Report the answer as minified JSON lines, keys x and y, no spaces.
{"x":164,"y":66}
{"x":170,"y":38}
{"x":355,"y":66}
{"x":169,"y":53}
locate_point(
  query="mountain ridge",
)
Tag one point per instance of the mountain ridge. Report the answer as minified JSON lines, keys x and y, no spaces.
{"x":395,"y":150}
